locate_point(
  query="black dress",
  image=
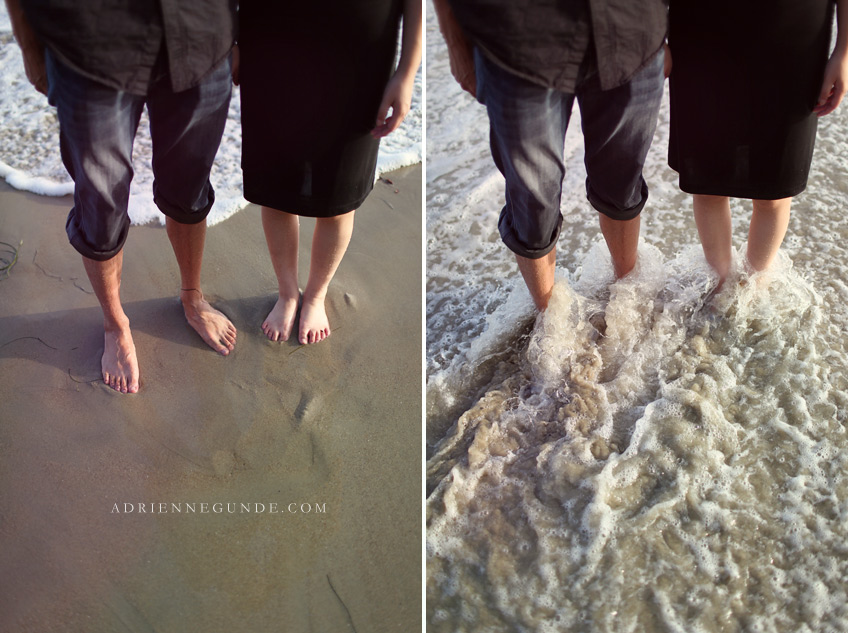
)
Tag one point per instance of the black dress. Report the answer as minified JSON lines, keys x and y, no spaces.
{"x":745,"y":77}
{"x":312,"y":76}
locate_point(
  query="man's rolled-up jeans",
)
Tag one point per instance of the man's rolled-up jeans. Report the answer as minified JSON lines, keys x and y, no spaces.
{"x":98,"y":124}
{"x":528,"y":123}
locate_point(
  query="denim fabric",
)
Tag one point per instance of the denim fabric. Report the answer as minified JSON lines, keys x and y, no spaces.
{"x":97,"y":129}
{"x":527,"y":133}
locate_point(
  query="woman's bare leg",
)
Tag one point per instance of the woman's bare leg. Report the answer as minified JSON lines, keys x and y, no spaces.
{"x":329,"y":243}
{"x":712,"y":217}
{"x":282,"y":231}
{"x":768,"y":228}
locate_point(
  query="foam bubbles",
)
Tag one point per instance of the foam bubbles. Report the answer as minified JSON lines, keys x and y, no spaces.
{"x":654,"y":455}
{"x":654,"y":426}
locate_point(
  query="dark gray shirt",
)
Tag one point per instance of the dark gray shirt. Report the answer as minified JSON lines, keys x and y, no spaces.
{"x":554,"y":42}
{"x":118,"y":42}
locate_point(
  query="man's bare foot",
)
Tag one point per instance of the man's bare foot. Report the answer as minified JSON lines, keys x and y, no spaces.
{"x":280,"y":321}
{"x":119,"y":363}
{"x":213,"y":326}
{"x":314,"y":326}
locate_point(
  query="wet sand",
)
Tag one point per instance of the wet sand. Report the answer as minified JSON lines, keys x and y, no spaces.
{"x":330,"y":433}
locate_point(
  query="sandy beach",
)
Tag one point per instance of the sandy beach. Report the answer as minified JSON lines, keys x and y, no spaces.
{"x":646,"y":456}
{"x":311,"y":453}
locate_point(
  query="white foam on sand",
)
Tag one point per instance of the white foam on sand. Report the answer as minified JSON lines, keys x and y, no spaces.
{"x":36,"y":184}
{"x":29,"y":144}
{"x":644,"y":456}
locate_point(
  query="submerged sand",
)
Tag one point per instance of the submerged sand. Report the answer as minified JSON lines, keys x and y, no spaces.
{"x":330,"y":433}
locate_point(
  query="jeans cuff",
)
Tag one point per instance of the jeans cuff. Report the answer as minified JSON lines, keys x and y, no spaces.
{"x":178,"y":213}
{"x":519,"y":246}
{"x":615,"y":212}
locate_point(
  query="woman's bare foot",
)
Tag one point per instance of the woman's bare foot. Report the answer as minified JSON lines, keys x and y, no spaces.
{"x":212,"y":325}
{"x":314,"y":326}
{"x":119,"y":363}
{"x":280,"y":321}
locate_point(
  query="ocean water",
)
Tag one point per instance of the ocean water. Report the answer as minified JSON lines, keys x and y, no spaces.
{"x":29,"y":143}
{"x":648,"y":455}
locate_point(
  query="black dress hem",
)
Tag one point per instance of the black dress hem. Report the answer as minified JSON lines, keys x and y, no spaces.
{"x":304,"y":206}
{"x":745,"y":192}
